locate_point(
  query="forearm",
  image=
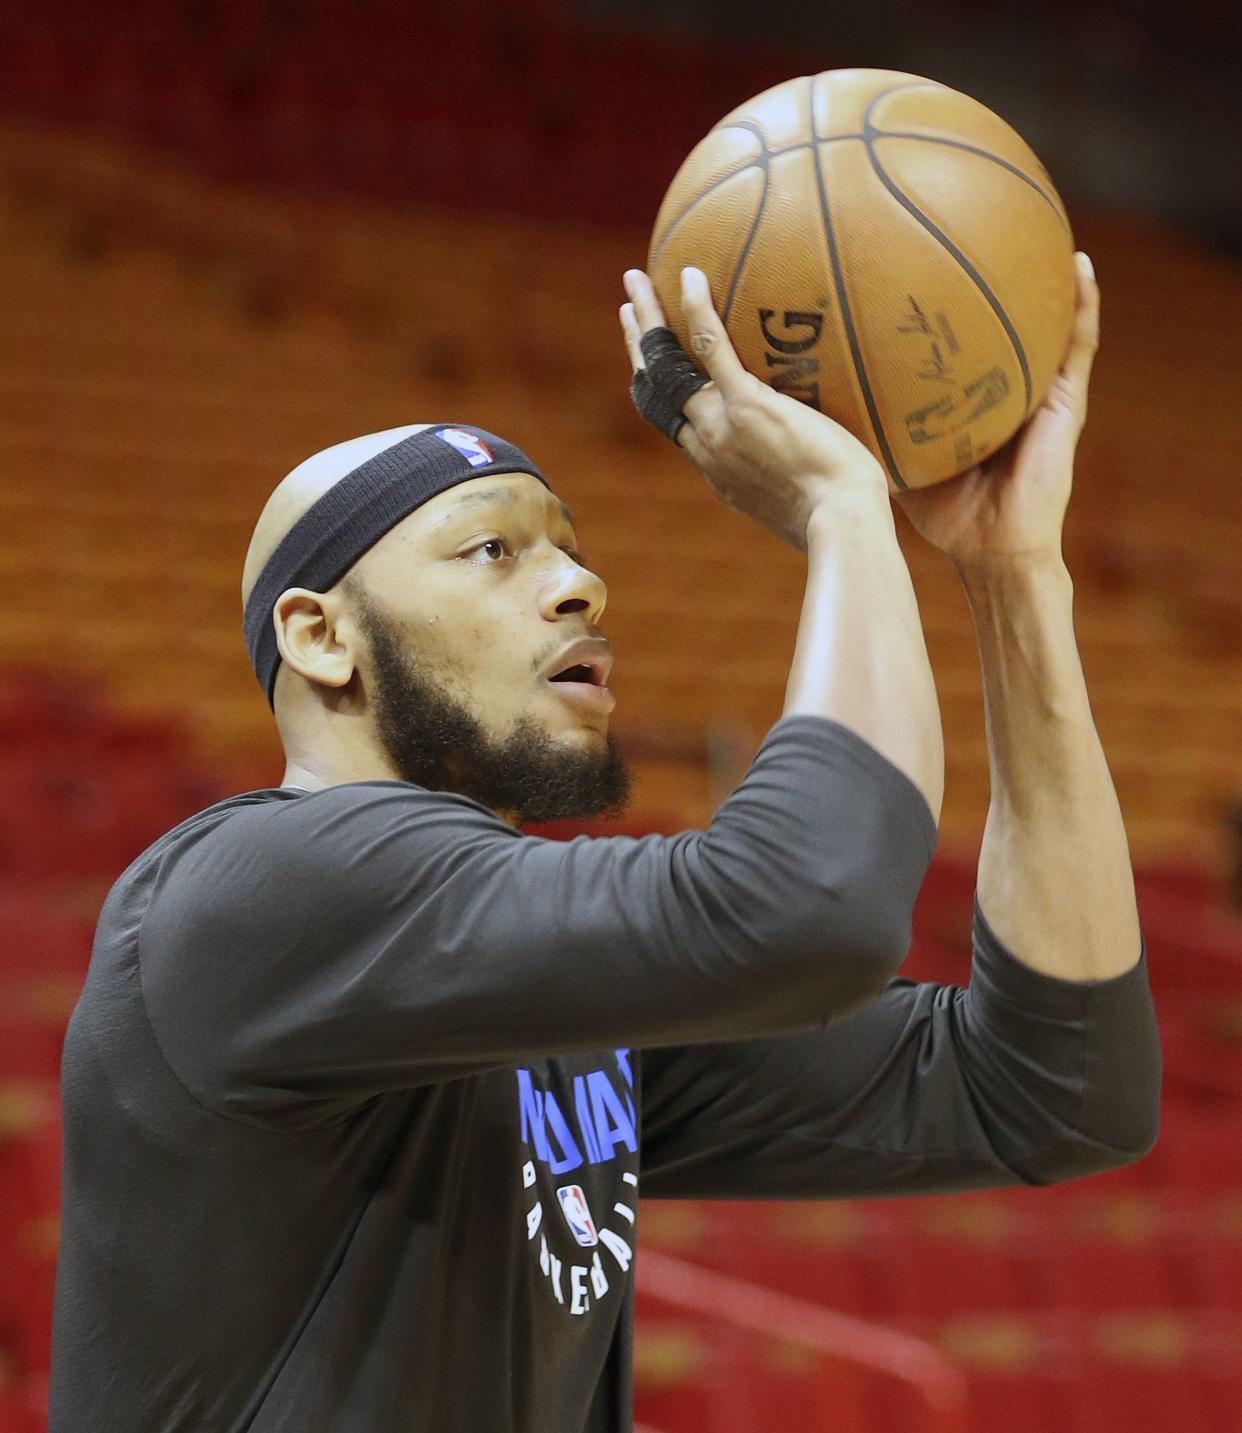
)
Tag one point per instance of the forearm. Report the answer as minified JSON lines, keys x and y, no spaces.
{"x":1054,"y":881}
{"x":1022,"y":1077}
{"x":860,"y":657}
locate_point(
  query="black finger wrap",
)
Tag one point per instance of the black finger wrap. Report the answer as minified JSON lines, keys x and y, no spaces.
{"x":661,"y":389}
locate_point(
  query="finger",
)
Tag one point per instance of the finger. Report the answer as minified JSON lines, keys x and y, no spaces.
{"x":689,"y":439}
{"x":708,"y":340}
{"x":647,"y":309}
{"x":630,"y":332}
{"x":1085,"y":334}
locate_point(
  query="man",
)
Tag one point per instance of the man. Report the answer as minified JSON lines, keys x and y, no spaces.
{"x":363,"y":1085}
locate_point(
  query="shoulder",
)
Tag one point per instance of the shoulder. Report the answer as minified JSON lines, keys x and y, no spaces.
{"x":310,"y":846}
{"x":354,"y":808}
{"x":286,"y":816}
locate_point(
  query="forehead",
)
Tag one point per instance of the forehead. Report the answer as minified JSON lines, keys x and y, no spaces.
{"x":514,"y":492}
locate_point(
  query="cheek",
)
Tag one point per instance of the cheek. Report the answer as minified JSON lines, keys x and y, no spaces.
{"x":488,"y":662}
{"x":501,"y":667}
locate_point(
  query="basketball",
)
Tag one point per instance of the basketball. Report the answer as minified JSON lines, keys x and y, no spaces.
{"x":885,"y":249}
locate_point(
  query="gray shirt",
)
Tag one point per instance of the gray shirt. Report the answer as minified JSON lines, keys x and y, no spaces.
{"x":362,"y":1084}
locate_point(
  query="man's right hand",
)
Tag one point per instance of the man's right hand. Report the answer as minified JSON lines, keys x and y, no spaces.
{"x":762,"y":452}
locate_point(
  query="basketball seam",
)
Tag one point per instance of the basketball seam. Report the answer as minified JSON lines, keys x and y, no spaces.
{"x":843,"y":302}
{"x":982,"y":153}
{"x":950,"y":247}
{"x":658,"y":248}
{"x":937,"y":139}
{"x":765,"y":158}
{"x":754,"y":227}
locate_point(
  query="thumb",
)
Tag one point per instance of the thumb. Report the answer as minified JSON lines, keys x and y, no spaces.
{"x":1085,"y":334}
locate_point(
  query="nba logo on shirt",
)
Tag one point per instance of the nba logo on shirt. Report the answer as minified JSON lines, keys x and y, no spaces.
{"x":474,"y":450}
{"x":577,"y":1214}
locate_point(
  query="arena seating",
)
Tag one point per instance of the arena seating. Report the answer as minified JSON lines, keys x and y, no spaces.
{"x":191,"y":307}
{"x":526,"y":111}
{"x":220,"y":336}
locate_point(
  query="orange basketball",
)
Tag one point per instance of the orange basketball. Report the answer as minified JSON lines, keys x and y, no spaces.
{"x":885,"y":249}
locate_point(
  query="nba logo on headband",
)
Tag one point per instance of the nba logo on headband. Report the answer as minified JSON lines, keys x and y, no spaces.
{"x":474,"y":450}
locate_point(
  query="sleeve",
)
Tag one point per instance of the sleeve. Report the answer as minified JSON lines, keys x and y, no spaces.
{"x":1019,"y":1078}
{"x":375,"y":936}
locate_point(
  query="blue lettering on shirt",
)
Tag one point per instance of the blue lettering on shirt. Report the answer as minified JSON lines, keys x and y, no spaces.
{"x":603,"y":1119}
{"x":614,"y":1124}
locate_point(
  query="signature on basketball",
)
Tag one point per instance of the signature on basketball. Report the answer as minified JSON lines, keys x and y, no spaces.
{"x":958,"y":409}
{"x":937,"y":342}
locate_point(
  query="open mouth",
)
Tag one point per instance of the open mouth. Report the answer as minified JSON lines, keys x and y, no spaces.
{"x":582,"y":672}
{"x":582,"y":669}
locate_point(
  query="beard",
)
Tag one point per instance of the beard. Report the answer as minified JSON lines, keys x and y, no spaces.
{"x":434,"y":740}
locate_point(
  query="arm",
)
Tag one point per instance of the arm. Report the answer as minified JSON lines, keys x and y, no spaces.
{"x":860,"y":658}
{"x":1020,"y":1078}
{"x":1054,"y":867}
{"x":307,"y":953}
{"x":1049,"y":1064}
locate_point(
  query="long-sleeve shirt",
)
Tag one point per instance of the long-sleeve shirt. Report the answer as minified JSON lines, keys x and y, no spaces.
{"x":363,"y":1086}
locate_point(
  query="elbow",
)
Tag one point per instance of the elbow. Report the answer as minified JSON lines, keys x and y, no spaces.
{"x":864,"y":918}
{"x":1141,"y":1132}
{"x":1144,"y":1133}
{"x":1096,"y":1105}
{"x":1122,"y":1110}
{"x":879,"y":919}
{"x":852,"y":949}
{"x":1079,"y":1155}
{"x":869,"y":969}
{"x":819,"y":928}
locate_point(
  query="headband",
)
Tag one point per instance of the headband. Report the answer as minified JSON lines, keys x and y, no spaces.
{"x":334,"y":532}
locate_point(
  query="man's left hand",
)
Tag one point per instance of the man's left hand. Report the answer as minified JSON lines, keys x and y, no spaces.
{"x":1012,"y":506}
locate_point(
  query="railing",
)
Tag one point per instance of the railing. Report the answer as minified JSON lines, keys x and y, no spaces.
{"x":837,"y":1338}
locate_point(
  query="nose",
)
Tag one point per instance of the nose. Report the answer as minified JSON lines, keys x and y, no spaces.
{"x":569,"y":587}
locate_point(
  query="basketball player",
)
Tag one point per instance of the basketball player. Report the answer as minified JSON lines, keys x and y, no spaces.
{"x":364,"y":1085}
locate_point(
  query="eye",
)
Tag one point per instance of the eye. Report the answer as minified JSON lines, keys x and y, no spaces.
{"x":495,"y":549}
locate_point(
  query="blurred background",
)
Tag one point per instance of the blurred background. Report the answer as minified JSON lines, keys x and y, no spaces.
{"x":233,"y":232}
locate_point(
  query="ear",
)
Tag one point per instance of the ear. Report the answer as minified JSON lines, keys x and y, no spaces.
{"x":310,"y":641}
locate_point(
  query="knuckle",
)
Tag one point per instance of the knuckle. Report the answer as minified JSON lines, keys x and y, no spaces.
{"x":750,"y":403}
{"x":702,"y":341}
{"x":710,"y":433}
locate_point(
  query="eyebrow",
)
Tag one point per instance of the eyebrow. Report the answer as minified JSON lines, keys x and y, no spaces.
{"x":501,"y":497}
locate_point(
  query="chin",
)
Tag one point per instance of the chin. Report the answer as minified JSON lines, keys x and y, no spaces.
{"x":590,"y":731}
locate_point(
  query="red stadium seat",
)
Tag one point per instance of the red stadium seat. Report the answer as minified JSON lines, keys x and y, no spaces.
{"x":1201,"y":1150}
{"x":30,"y":1175}
{"x":17,"y":1415}
{"x":30,"y":1049}
{"x":39,"y":986}
{"x":1119,"y":1252}
{"x":1149,"y":1385}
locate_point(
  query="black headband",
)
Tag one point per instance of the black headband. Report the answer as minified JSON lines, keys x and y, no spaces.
{"x":334,"y":532}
